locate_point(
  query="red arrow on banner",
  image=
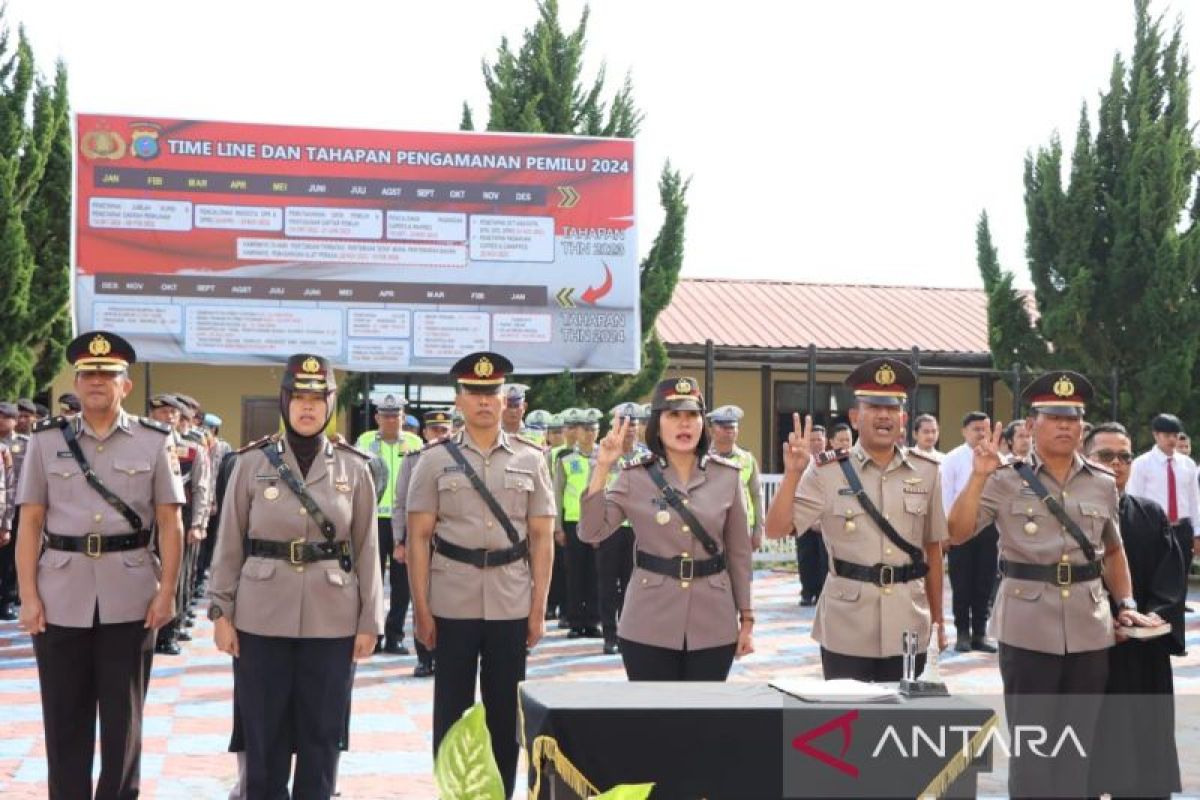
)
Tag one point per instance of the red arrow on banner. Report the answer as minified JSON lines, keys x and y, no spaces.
{"x":594,"y":293}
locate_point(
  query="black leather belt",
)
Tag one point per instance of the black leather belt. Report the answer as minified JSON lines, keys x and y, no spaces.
{"x":479,"y":557}
{"x":94,"y":545}
{"x":298,"y":551}
{"x":680,"y":567}
{"x":880,"y":574}
{"x":1061,"y":574}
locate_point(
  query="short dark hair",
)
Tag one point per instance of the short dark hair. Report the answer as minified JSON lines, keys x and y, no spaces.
{"x":654,"y":443}
{"x":1010,"y":430}
{"x":974,"y":416}
{"x":817,"y":429}
{"x":921,"y":420}
{"x":1166,"y":423}
{"x":838,"y":428}
{"x":1103,"y":427}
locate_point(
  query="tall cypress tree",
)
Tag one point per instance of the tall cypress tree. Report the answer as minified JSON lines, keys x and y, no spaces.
{"x":1011,"y":336}
{"x":35,"y":191}
{"x":1114,"y":255}
{"x":541,"y":89}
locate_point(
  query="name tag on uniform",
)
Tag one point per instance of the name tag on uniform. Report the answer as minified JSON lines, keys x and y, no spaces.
{"x":452,"y":468}
{"x":272,"y":477}
{"x":846,"y":491}
{"x":63,"y":454}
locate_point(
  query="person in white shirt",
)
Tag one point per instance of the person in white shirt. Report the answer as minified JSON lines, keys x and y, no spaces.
{"x":1169,"y":478}
{"x":925,"y":434}
{"x":973,"y":563}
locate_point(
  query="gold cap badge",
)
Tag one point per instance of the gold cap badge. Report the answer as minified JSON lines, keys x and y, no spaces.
{"x":684,"y":386}
{"x":311,"y":365}
{"x":1064,"y":387}
{"x":885,"y":375}
{"x":99,"y":346}
{"x":484,"y":368}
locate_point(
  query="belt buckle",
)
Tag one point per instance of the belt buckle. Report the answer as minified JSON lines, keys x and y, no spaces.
{"x":887,"y":575}
{"x":1062,"y":569}
{"x":691,"y":569}
{"x":295,"y":553}
{"x":88,"y":549}
{"x":485,"y":564}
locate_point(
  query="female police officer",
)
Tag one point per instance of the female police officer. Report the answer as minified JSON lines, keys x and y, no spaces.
{"x":687,"y":611}
{"x":296,"y":587}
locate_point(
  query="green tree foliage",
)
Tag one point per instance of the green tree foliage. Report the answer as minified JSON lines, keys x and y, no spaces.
{"x":1011,"y":336}
{"x":1114,"y":254}
{"x":541,"y":88}
{"x":35,"y":214}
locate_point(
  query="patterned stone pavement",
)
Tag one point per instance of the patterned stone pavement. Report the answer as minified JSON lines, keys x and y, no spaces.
{"x":189,"y":705}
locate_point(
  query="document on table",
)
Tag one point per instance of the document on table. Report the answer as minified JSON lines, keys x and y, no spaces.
{"x":837,"y":691}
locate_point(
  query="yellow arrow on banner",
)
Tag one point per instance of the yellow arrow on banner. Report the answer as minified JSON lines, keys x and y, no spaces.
{"x":569,"y":196}
{"x":564,"y":297}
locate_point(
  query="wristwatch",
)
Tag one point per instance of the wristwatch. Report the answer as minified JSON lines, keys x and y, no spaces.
{"x":215,"y":613}
{"x":1129,"y":603}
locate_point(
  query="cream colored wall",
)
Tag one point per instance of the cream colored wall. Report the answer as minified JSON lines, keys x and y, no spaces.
{"x":219,"y":389}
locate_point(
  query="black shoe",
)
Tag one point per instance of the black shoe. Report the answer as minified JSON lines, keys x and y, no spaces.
{"x":168,"y":648}
{"x":610,"y":647}
{"x":593,"y":632}
{"x":563,"y":623}
{"x":983,"y":644}
{"x":962,"y":644}
{"x":8,"y":613}
{"x":395,"y":647}
{"x":183,"y":636}
{"x":423,"y":671}
{"x":808,"y":601}
{"x":378,"y":645}
{"x":576,"y":633}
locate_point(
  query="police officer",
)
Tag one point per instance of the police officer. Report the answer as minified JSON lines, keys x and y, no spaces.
{"x":571,"y":477}
{"x":556,"y":602}
{"x":390,"y":445}
{"x":883,"y":522}
{"x":725,"y":422}
{"x":1060,"y":548}
{"x":15,"y":446}
{"x":512,"y":418}
{"x":689,"y":611}
{"x":203,"y":491}
{"x":165,"y":409}
{"x":91,"y":591}
{"x":27,"y":415}
{"x":554,"y":431}
{"x":296,"y":593}
{"x":536,"y":424}
{"x":614,"y":555}
{"x":483,"y":499}
{"x":437,"y":427}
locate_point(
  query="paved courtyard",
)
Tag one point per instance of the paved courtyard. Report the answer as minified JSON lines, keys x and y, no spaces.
{"x":188,"y":710}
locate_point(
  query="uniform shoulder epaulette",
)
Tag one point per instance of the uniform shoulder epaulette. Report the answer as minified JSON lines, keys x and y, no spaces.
{"x":723,"y":461}
{"x":523,"y":440}
{"x":154,"y":425}
{"x":257,"y":444}
{"x":433,"y":444}
{"x":1098,"y":467}
{"x":363,"y":454}
{"x":831,"y":456}
{"x":638,"y":461}
{"x":49,"y":424}
{"x":912,"y":451}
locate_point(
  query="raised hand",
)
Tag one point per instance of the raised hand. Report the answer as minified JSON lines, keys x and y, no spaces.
{"x":987,"y":458}
{"x":797,"y":452}
{"x":613,"y":444}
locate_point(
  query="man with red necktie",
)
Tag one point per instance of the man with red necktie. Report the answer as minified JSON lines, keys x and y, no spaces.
{"x":1169,"y":478}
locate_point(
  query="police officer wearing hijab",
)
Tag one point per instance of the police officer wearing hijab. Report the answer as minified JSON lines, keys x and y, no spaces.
{"x":295,"y":589}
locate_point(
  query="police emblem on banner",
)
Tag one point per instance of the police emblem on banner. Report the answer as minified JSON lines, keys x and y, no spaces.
{"x":102,"y":145}
{"x":145,"y":140}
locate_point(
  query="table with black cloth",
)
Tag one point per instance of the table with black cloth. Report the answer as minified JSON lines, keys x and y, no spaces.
{"x":746,"y":741}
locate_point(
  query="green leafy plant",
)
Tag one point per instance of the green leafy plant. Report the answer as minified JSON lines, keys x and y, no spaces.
{"x":465,"y":768}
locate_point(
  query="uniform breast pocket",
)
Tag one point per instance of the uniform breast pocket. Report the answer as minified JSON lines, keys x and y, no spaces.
{"x":846,"y":524}
{"x":256,"y":570}
{"x":1097,"y":518}
{"x":132,"y":479}
{"x":450,"y":492}
{"x":518,"y":486}
{"x":1030,"y":516}
{"x":916,"y":506}
{"x":65,"y":479}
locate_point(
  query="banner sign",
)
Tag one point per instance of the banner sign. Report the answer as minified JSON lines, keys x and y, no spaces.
{"x":227,"y":243}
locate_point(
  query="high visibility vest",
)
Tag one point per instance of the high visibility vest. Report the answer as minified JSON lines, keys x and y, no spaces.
{"x":577,"y":470}
{"x":392,"y":454}
{"x":745,"y":462}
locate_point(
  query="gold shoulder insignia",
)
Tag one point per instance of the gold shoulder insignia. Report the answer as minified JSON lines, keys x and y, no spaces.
{"x":826,"y":457}
{"x":640,"y":461}
{"x":49,"y":424}
{"x":257,"y":444}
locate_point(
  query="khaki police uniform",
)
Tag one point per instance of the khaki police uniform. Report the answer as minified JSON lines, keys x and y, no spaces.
{"x":95,"y":653}
{"x":15,"y":446}
{"x":400,"y":536}
{"x":481,"y":610}
{"x":663,"y":611}
{"x":856,"y":618}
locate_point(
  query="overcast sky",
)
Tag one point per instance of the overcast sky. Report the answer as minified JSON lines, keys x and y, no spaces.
{"x":844,"y":141}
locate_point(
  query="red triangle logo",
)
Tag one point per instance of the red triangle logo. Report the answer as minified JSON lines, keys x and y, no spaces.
{"x":843,"y":723}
